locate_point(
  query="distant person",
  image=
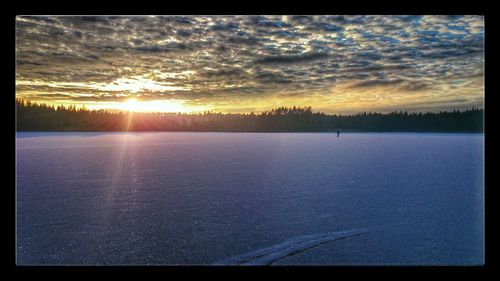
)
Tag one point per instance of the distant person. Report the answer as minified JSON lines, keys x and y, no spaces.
{"x":338,"y":133}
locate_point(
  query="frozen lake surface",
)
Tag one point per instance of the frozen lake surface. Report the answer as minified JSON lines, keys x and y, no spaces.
{"x":249,"y":198}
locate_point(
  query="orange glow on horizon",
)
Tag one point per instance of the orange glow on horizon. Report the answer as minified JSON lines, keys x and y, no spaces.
{"x":136,"y":105}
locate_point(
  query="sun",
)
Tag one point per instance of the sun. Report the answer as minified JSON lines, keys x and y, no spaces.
{"x":133,"y":105}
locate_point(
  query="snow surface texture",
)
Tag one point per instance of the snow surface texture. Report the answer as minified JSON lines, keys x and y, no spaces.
{"x":291,"y":247}
{"x":243,"y":198}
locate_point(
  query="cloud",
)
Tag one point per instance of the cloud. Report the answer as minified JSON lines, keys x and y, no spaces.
{"x":416,"y":86}
{"x":374,"y":83}
{"x":285,"y":59}
{"x":250,"y":57}
{"x":270,"y":77}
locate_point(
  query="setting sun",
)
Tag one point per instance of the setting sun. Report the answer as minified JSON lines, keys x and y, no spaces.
{"x":132,"y":105}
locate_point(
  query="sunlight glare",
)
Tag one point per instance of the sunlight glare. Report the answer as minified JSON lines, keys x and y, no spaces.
{"x":135,"y":105}
{"x":137,"y":84}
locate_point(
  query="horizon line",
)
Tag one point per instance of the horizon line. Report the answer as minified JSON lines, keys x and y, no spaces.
{"x":123,"y":111}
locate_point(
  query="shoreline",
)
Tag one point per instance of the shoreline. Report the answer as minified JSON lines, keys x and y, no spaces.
{"x":314,"y":132}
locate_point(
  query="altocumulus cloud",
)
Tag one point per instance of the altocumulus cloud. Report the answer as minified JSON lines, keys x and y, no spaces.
{"x":212,"y":59}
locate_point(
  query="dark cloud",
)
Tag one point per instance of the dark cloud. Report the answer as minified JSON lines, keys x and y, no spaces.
{"x":169,"y":47}
{"x":243,"y":40}
{"x":302,"y":19}
{"x":374,"y":83}
{"x":55,"y":96}
{"x":26,"y":62}
{"x":225,"y":26}
{"x":270,"y":77}
{"x":184,"y":21}
{"x":230,"y":72}
{"x":183,"y":32}
{"x":416,"y":86}
{"x":326,"y":27}
{"x":370,"y":67}
{"x":286,"y":59}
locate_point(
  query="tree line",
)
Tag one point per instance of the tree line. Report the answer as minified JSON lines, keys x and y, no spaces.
{"x":42,"y":117}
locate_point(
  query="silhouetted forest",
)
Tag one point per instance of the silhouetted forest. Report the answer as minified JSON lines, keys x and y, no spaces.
{"x":41,"y":117}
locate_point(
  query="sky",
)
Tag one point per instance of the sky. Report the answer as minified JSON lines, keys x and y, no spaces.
{"x":239,"y":64}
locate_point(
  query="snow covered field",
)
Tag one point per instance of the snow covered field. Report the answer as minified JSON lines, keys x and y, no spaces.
{"x":249,"y":198}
